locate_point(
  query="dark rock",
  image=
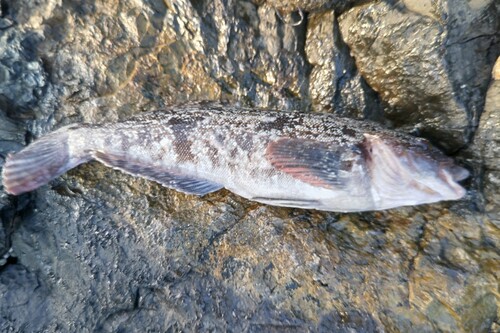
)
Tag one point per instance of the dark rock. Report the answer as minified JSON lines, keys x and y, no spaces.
{"x":422,"y":60}
{"x":487,"y":147}
{"x":335,"y":84}
{"x":255,"y":57}
{"x":22,"y":77}
{"x":288,"y":6}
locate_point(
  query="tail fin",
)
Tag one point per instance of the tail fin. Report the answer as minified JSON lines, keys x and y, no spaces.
{"x":41,"y":161}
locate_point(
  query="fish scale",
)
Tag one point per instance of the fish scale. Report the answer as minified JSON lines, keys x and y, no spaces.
{"x":306,"y":160}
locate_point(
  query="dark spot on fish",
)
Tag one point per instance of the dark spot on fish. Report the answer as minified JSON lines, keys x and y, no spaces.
{"x":348,"y":131}
{"x":213,"y":154}
{"x":299,"y":120}
{"x":244,"y":141}
{"x":278,"y":124}
{"x":366,"y":149}
{"x":187,"y":120}
{"x":126,"y":142}
{"x":346,"y":165}
{"x":182,"y":147}
{"x":268,"y":173}
{"x":220,"y":138}
{"x":233,"y":153}
{"x":182,"y":126}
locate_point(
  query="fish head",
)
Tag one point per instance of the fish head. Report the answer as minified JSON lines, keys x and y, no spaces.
{"x":410,"y":171}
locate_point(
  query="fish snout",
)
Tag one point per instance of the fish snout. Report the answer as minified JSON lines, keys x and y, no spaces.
{"x":457,"y":172}
{"x":457,"y":191}
{"x":451,"y":175}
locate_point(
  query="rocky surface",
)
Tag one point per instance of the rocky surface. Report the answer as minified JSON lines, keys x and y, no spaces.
{"x":312,"y":6}
{"x":487,"y":147}
{"x":97,"y":250}
{"x":421,"y":57}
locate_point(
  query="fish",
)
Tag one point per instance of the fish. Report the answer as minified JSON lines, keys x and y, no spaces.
{"x":292,"y":159}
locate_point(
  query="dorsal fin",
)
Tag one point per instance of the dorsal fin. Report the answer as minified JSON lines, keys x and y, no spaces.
{"x":310,"y":161}
{"x":168,"y":178}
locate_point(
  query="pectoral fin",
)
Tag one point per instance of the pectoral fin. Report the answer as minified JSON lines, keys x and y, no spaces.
{"x":168,"y":178}
{"x":309,"y":161}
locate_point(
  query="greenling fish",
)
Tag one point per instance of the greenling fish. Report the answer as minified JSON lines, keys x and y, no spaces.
{"x":305,"y":160}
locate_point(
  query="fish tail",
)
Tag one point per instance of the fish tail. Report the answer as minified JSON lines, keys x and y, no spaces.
{"x":42,"y":161}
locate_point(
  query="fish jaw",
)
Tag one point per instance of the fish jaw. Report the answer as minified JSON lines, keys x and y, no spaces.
{"x":401,"y":177}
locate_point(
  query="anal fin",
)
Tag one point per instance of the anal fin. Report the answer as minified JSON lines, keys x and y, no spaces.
{"x":167,"y":178}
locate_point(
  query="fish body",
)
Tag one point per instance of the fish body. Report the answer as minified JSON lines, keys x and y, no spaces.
{"x":292,"y":159}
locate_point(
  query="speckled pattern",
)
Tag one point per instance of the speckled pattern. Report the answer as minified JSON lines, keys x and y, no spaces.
{"x":292,"y":159}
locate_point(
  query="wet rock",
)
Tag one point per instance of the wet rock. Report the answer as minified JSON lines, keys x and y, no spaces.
{"x":18,"y":288}
{"x":420,"y":58}
{"x":335,"y":84}
{"x":97,"y":250}
{"x":288,"y":6}
{"x":254,"y":56}
{"x":487,"y":144}
{"x":22,"y":77}
{"x":11,"y":139}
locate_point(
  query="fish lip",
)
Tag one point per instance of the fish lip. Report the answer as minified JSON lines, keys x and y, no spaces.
{"x":435,"y":176}
{"x":458,"y":173}
{"x":448,"y":174}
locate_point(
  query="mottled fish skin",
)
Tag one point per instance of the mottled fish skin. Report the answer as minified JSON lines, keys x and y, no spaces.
{"x":304,"y":160}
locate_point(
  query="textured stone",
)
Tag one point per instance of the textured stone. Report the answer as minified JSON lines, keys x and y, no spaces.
{"x":97,"y":250}
{"x":422,"y":60}
{"x":487,"y":146}
{"x":335,"y":84}
{"x":256,"y":58}
{"x":288,"y":6}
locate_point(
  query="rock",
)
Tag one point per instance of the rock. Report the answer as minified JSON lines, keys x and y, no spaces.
{"x":421,"y":59}
{"x":11,"y":139}
{"x":335,"y":84}
{"x":288,"y":6}
{"x":98,"y":250}
{"x":255,"y":57}
{"x":487,"y":144}
{"x":496,"y":71}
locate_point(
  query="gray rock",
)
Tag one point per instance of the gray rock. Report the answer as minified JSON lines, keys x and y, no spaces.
{"x":254,"y":57}
{"x":11,"y":139}
{"x":97,"y":250}
{"x":288,"y":6}
{"x":335,"y":84}
{"x":421,"y":58}
{"x":487,"y":146}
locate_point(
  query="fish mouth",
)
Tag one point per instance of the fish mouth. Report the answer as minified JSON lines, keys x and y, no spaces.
{"x":401,"y":174}
{"x":451,"y":175}
{"x":458,"y":173}
{"x":446,"y":171}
